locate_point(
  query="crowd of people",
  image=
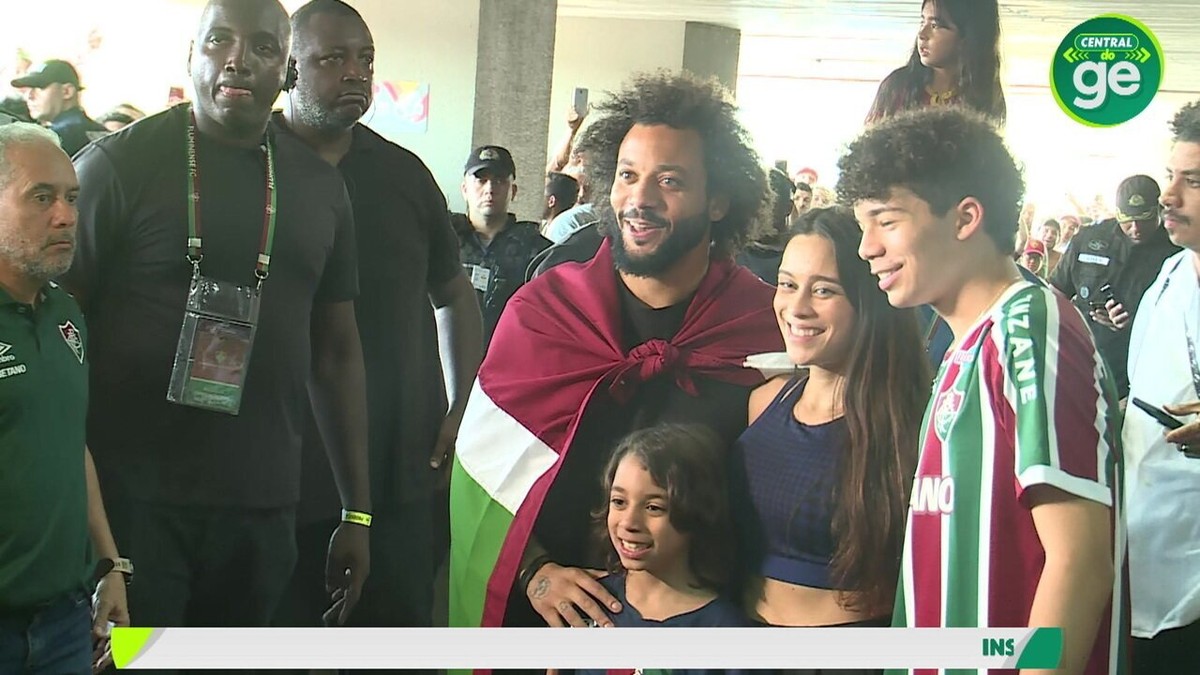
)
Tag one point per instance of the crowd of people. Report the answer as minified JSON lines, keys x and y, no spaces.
{"x":250,"y":355}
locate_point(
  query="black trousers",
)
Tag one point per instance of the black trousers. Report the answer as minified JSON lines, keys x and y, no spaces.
{"x":1172,"y":651}
{"x":204,"y":566}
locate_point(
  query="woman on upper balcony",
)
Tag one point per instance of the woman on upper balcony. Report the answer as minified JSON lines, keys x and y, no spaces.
{"x":955,"y":60}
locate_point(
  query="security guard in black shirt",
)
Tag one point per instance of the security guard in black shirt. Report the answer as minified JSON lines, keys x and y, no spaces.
{"x":1116,"y":259}
{"x":495,"y":248}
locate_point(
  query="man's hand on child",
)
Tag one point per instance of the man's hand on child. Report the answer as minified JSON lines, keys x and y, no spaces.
{"x":560,"y":593}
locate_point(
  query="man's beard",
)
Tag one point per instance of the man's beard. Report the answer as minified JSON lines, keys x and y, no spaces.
{"x":40,"y":268}
{"x":313,"y":115}
{"x":685,"y":236}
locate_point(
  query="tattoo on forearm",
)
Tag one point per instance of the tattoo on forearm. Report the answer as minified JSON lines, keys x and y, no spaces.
{"x":541,"y":587}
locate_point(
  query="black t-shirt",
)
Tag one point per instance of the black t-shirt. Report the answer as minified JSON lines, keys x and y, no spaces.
{"x":405,"y":248}
{"x":564,"y":524}
{"x":131,"y":269}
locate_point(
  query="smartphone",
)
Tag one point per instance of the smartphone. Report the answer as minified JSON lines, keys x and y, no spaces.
{"x":781,"y":164}
{"x":1158,"y":414}
{"x":1103,"y":295}
{"x":581,"y":101}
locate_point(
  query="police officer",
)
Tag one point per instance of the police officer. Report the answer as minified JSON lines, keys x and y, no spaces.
{"x":495,"y":248}
{"x":1116,"y":259}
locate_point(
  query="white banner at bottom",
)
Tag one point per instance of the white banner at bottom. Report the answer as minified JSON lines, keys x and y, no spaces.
{"x":625,"y":648}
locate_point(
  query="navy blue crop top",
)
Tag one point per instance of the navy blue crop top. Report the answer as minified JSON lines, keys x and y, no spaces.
{"x":784,"y":475}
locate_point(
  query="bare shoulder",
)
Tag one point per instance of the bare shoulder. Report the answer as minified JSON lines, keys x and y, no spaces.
{"x":766,"y":392}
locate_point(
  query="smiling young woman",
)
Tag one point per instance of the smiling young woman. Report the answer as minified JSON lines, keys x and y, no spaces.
{"x":822,"y":473}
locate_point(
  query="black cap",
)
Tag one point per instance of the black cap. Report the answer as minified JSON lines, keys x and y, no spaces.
{"x":48,"y":73}
{"x":1137,"y":198}
{"x":493,"y":157}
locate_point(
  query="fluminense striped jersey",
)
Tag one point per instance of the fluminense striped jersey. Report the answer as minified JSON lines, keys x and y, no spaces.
{"x":1024,"y":400}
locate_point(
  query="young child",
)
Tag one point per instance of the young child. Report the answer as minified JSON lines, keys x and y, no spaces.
{"x":667,"y":527}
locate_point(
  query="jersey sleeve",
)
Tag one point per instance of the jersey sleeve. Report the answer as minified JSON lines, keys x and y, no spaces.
{"x":1057,"y":397}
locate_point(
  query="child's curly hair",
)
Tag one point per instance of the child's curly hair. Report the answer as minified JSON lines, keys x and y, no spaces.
{"x":688,"y":462}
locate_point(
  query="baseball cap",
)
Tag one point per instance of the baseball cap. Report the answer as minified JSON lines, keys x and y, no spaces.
{"x":1137,"y":198}
{"x":493,"y":157}
{"x":809,"y":170}
{"x":1035,"y":246}
{"x":48,"y":73}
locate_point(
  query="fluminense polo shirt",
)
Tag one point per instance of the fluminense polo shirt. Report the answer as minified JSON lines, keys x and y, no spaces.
{"x":44,"y":546}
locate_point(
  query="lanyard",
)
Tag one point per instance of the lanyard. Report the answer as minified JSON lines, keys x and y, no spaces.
{"x":194,"y":243}
{"x":931,"y":332}
{"x":1192,"y":359}
{"x":1187,"y":330}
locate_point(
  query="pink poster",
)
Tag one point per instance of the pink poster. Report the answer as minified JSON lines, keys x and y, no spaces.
{"x":399,"y":108}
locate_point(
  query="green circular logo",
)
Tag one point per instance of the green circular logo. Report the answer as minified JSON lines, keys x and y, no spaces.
{"x":1106,"y":70}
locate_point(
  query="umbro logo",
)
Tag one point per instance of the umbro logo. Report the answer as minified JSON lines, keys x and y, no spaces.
{"x":6,"y":357}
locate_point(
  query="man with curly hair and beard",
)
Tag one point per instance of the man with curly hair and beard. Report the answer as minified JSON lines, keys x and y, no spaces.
{"x":1015,"y":513}
{"x":655,"y":328}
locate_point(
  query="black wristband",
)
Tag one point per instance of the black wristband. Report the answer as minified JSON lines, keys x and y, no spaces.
{"x":531,"y":569}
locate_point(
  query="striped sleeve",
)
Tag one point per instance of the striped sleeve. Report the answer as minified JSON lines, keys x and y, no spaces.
{"x":1052,"y":380}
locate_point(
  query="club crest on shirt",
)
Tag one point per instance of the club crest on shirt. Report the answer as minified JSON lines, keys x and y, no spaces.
{"x":945,"y":412}
{"x":70,"y":335}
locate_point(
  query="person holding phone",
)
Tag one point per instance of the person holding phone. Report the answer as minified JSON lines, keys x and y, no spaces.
{"x":1123,"y":254}
{"x":1162,"y":471}
{"x":563,"y":160}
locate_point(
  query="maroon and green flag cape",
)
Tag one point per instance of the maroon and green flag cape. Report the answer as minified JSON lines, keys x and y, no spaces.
{"x":557,"y":345}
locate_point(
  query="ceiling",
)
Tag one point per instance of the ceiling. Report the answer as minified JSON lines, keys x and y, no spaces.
{"x":856,"y":38}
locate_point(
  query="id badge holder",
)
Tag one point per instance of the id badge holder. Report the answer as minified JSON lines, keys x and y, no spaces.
{"x":481,"y":277}
{"x":215,"y":343}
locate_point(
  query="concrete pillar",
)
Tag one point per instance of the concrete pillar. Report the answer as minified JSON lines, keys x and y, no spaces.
{"x":710,"y":50}
{"x":513,"y":74}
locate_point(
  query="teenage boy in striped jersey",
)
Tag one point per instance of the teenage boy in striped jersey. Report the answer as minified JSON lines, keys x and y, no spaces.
{"x":1014,"y":516}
